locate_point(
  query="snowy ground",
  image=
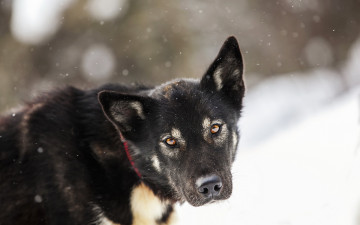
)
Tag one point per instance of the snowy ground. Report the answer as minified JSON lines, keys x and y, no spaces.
{"x":306,"y":173}
{"x":299,"y":158}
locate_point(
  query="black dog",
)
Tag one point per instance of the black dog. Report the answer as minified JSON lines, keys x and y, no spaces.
{"x":123,"y":154}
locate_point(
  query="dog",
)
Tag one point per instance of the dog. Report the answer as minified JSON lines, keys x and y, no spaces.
{"x":123,"y":154}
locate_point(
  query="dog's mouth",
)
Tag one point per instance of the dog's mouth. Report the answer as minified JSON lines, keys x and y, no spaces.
{"x":208,"y":200}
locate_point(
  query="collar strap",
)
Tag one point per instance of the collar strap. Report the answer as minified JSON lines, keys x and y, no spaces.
{"x":126,"y":147}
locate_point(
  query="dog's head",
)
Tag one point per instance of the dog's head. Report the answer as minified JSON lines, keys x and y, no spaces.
{"x":183,"y":134}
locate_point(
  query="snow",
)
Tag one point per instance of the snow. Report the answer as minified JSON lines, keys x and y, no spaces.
{"x":352,"y":69}
{"x":107,"y":9}
{"x":279,"y":101}
{"x":30,"y":28}
{"x":38,"y":198}
{"x":40,"y":150}
{"x":318,"y":52}
{"x":98,"y":62}
{"x":26,"y":24}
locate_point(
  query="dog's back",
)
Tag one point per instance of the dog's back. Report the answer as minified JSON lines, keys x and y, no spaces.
{"x":14,"y":177}
{"x":25,"y":163}
{"x":36,"y":150}
{"x":46,"y":162}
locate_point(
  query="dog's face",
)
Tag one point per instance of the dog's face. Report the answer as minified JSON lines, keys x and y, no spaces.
{"x":183,"y":134}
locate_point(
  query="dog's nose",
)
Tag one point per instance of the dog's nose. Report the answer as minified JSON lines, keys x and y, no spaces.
{"x":209,"y":186}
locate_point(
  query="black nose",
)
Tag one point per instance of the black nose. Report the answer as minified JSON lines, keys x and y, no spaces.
{"x":209,"y":186}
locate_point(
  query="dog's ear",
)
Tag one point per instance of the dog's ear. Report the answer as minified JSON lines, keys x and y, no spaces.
{"x":127,"y":112}
{"x":225,"y":74}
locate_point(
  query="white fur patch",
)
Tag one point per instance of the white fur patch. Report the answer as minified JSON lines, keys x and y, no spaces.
{"x":156,"y":163}
{"x":145,"y":206}
{"x":218,"y":79}
{"x":138,"y":108}
{"x":106,"y":221}
{"x":235,"y":139}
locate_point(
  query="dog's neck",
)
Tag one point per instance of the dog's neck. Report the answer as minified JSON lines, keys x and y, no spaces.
{"x":109,"y":150}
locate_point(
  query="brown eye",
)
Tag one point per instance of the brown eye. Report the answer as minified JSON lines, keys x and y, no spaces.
{"x":215,"y":128}
{"x":170,"y":141}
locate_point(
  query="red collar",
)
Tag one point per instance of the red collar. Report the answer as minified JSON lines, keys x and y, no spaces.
{"x":126,"y":147}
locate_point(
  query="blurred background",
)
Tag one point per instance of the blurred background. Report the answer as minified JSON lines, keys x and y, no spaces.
{"x":298,"y":159}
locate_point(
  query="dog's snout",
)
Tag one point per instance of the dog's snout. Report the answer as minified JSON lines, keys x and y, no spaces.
{"x":209,"y":186}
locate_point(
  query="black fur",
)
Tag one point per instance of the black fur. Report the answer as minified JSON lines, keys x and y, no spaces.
{"x":62,"y":161}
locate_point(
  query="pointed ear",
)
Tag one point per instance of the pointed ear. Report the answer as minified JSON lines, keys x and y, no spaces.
{"x":127,"y":112}
{"x":225,"y":74}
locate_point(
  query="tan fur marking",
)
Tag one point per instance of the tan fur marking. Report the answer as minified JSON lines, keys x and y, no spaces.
{"x":145,"y":206}
{"x":104,"y":153}
{"x":206,"y":129}
{"x":167,"y":90}
{"x":25,"y":126}
{"x":222,"y":137}
{"x":176,"y":133}
{"x":219,"y":139}
{"x":206,"y":123}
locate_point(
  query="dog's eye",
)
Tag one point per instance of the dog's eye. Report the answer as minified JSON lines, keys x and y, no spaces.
{"x":170,"y":141}
{"x":215,"y":128}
